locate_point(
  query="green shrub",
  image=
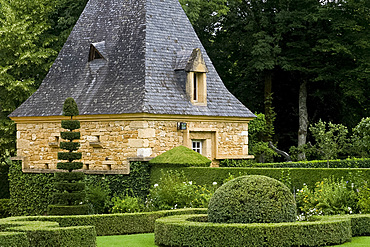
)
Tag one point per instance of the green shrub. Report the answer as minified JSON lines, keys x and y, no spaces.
{"x":98,"y":198}
{"x":329,"y":197}
{"x":346,"y":163}
{"x":364,"y":198}
{"x":182,"y":156}
{"x":174,"y":191}
{"x":4,"y":181}
{"x":4,"y":208}
{"x":298,"y":176}
{"x":361,"y":138}
{"x":252,"y":199}
{"x":115,"y":224}
{"x":70,"y":191}
{"x":189,"y":230}
{"x":31,"y":193}
{"x":14,"y":239}
{"x":126,"y":204}
{"x":44,"y":234}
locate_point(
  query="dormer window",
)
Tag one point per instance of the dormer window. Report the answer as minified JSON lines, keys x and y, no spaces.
{"x":193,"y":64}
{"x":97,"y":51}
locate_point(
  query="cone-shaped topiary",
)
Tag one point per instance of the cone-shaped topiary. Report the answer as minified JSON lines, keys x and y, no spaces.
{"x":252,"y":199}
{"x":70,"y":188}
{"x":181,"y":155}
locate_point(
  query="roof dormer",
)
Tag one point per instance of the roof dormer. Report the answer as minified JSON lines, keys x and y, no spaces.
{"x":192,"y":62}
{"x":97,"y":51}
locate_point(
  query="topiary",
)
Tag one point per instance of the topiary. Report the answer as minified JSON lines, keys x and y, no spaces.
{"x":252,"y":199}
{"x":182,"y":156}
{"x":70,"y":188}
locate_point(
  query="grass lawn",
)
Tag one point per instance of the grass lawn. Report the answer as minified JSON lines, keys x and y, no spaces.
{"x":147,"y":240}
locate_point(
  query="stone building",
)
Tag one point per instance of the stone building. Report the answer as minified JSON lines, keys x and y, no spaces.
{"x":143,"y":84}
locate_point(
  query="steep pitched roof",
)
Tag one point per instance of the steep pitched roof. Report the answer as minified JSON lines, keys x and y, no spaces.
{"x":138,"y":44}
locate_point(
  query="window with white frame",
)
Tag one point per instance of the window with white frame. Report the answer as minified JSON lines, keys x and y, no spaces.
{"x":197,"y":146}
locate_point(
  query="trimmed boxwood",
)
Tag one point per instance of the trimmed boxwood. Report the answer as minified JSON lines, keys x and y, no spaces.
{"x":71,"y":124}
{"x":346,"y":163}
{"x":181,"y":156}
{"x":22,"y":232}
{"x":4,"y":208}
{"x":68,"y":210}
{"x":70,"y":146}
{"x":298,"y":176}
{"x":69,"y":165}
{"x":14,"y":239}
{"x":252,"y":199}
{"x":115,"y":224}
{"x":70,"y":135}
{"x":69,"y":176}
{"x":189,"y":230}
{"x":69,"y":156}
{"x":69,"y":186}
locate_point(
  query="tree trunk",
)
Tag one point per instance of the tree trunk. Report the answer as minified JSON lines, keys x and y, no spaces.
{"x":303,"y":118}
{"x":269,"y":113}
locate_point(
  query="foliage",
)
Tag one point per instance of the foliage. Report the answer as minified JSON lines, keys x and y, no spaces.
{"x":258,"y":130}
{"x":252,"y":199}
{"x":4,"y":181}
{"x":29,"y":193}
{"x":70,"y":194}
{"x":364,"y":198}
{"x":237,"y":163}
{"x":329,"y":197}
{"x":330,"y":140}
{"x":115,"y":224}
{"x":98,"y":197}
{"x":46,"y":233}
{"x":30,"y":42}
{"x":194,"y":230}
{"x":126,"y":204}
{"x":181,"y":155}
{"x":174,"y":191}
{"x":4,"y":208}
{"x":298,"y":176}
{"x":361,"y":138}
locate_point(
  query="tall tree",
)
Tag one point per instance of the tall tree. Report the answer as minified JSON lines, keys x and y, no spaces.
{"x":31,"y":32}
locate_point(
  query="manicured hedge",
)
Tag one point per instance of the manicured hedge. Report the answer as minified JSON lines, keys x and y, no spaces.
{"x":31,"y":193}
{"x":4,"y":208}
{"x":194,"y":230}
{"x":4,"y":182}
{"x":296,"y":176}
{"x":22,"y":232}
{"x":117,"y":224}
{"x":347,"y":163}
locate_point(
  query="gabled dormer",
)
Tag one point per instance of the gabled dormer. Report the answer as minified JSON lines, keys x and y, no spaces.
{"x":97,"y":51}
{"x":195,"y":68}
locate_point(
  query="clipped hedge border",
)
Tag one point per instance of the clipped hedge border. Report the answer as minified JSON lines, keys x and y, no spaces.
{"x":346,"y":163}
{"x":116,"y":224}
{"x":298,"y":176}
{"x":19,"y":231}
{"x":193,"y":230}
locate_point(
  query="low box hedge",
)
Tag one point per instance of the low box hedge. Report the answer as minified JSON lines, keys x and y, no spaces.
{"x":346,"y":163}
{"x":297,"y":176}
{"x":19,"y":231}
{"x":194,"y":230}
{"x":117,"y":224}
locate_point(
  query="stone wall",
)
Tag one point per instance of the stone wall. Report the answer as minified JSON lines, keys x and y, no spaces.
{"x":108,"y":146}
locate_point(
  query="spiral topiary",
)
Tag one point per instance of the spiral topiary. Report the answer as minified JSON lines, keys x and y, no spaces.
{"x":70,"y":189}
{"x":252,"y":199}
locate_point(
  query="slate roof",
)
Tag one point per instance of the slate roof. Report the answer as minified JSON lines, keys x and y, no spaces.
{"x":141,"y":42}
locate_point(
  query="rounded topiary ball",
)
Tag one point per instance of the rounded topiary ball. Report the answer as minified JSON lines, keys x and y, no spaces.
{"x":252,"y":199}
